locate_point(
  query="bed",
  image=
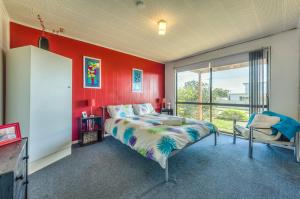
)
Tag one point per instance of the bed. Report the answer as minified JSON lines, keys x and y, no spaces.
{"x":157,"y":136}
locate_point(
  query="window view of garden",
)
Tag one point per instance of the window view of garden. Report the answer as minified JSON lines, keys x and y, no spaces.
{"x":227,"y":97}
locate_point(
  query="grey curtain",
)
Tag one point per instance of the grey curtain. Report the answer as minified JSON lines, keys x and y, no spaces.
{"x":259,"y":80}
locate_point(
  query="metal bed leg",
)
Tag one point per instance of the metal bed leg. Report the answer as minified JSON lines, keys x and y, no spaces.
{"x":215,"y":138}
{"x":167,"y":171}
{"x":297,"y":147}
{"x":234,"y":132}
{"x":251,"y":143}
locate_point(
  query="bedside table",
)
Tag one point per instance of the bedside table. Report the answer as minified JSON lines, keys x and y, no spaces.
{"x":90,"y":130}
{"x":166,"y":111}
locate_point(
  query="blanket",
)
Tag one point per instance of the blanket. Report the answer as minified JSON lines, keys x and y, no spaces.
{"x":287,"y":125}
{"x":152,"y":139}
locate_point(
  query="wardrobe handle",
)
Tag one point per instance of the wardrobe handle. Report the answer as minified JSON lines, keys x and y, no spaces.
{"x":25,"y":157}
{"x":26,"y":182}
{"x":20,"y":177}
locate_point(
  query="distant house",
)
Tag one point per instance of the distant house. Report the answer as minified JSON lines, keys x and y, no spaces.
{"x":239,"y":98}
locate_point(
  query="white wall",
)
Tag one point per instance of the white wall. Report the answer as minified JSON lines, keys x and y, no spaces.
{"x":285,"y":55}
{"x":299,"y":70}
{"x":4,"y":45}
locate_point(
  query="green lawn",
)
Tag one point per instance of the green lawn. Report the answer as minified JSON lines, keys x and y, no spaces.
{"x":225,"y":125}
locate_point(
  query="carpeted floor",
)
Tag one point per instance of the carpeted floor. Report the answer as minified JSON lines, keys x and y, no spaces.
{"x":111,"y":170}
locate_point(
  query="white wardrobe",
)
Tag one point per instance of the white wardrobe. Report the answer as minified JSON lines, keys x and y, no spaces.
{"x":39,"y":97}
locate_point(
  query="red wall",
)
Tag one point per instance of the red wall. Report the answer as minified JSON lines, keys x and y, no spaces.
{"x":116,"y":72}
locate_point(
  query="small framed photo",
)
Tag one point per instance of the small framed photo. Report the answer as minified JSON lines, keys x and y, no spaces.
{"x":84,"y":114}
{"x":9,"y":133}
{"x":137,"y":80}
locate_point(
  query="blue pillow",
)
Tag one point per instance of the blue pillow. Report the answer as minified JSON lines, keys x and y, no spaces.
{"x":250,"y":120}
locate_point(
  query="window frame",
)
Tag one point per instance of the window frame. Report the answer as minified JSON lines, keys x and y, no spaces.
{"x":211,"y":103}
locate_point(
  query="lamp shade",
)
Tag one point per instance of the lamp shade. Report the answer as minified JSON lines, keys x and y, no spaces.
{"x":92,"y":102}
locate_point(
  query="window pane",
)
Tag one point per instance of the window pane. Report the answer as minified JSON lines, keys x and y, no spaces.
{"x":230,"y":84}
{"x":199,"y":112}
{"x":264,"y":86}
{"x":193,"y":86}
{"x":223,"y":116}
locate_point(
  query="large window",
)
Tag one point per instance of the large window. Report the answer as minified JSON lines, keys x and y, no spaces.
{"x":217,"y":92}
{"x":193,"y":87}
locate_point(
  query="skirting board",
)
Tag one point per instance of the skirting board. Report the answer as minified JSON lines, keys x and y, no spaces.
{"x":41,"y":163}
{"x":75,"y":142}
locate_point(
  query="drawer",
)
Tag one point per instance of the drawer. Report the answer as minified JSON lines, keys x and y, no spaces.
{"x":13,"y":176}
{"x":20,"y":192}
{"x":20,"y":176}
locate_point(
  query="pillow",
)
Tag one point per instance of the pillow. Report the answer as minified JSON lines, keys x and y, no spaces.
{"x":142,"y":109}
{"x":128,"y":110}
{"x":264,"y":121}
{"x":120,"y":111}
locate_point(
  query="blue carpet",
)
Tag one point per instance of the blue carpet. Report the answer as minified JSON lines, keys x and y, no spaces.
{"x":111,"y":170}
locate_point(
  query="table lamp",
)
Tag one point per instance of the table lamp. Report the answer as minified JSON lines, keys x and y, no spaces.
{"x":92,"y":103}
{"x":164,"y":103}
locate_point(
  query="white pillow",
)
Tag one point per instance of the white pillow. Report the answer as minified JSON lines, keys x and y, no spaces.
{"x":142,"y":109}
{"x":120,"y":111}
{"x":264,"y":121}
{"x":128,"y":109}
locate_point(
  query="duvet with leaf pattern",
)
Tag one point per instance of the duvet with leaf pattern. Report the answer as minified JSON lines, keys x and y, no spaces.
{"x":153,"y":137}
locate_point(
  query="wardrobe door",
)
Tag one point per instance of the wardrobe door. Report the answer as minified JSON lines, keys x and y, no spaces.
{"x":17,"y":95}
{"x":50,"y":104}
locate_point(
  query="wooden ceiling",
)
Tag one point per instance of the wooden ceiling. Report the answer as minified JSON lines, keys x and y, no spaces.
{"x":193,"y":25}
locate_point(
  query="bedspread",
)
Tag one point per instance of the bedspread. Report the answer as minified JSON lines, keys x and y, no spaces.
{"x":148,"y":136}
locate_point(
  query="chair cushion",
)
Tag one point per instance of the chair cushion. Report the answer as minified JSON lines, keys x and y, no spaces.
{"x":264,"y":121}
{"x":257,"y":134}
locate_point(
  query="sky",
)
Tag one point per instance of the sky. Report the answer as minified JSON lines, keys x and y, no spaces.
{"x":231,"y":80}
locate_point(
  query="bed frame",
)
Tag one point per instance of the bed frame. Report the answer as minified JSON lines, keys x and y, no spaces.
{"x":106,"y":116}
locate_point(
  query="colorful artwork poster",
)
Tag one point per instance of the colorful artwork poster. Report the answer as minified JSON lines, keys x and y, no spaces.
{"x":91,"y":72}
{"x":137,"y":80}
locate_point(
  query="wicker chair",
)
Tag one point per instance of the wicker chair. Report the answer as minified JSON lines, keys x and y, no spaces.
{"x":295,"y":145}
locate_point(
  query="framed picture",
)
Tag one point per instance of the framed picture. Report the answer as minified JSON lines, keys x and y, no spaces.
{"x":91,"y":72}
{"x":84,"y":114}
{"x":137,"y":80}
{"x":9,"y":133}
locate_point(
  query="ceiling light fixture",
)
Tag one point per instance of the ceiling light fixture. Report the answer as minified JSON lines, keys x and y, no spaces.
{"x":162,"y":27}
